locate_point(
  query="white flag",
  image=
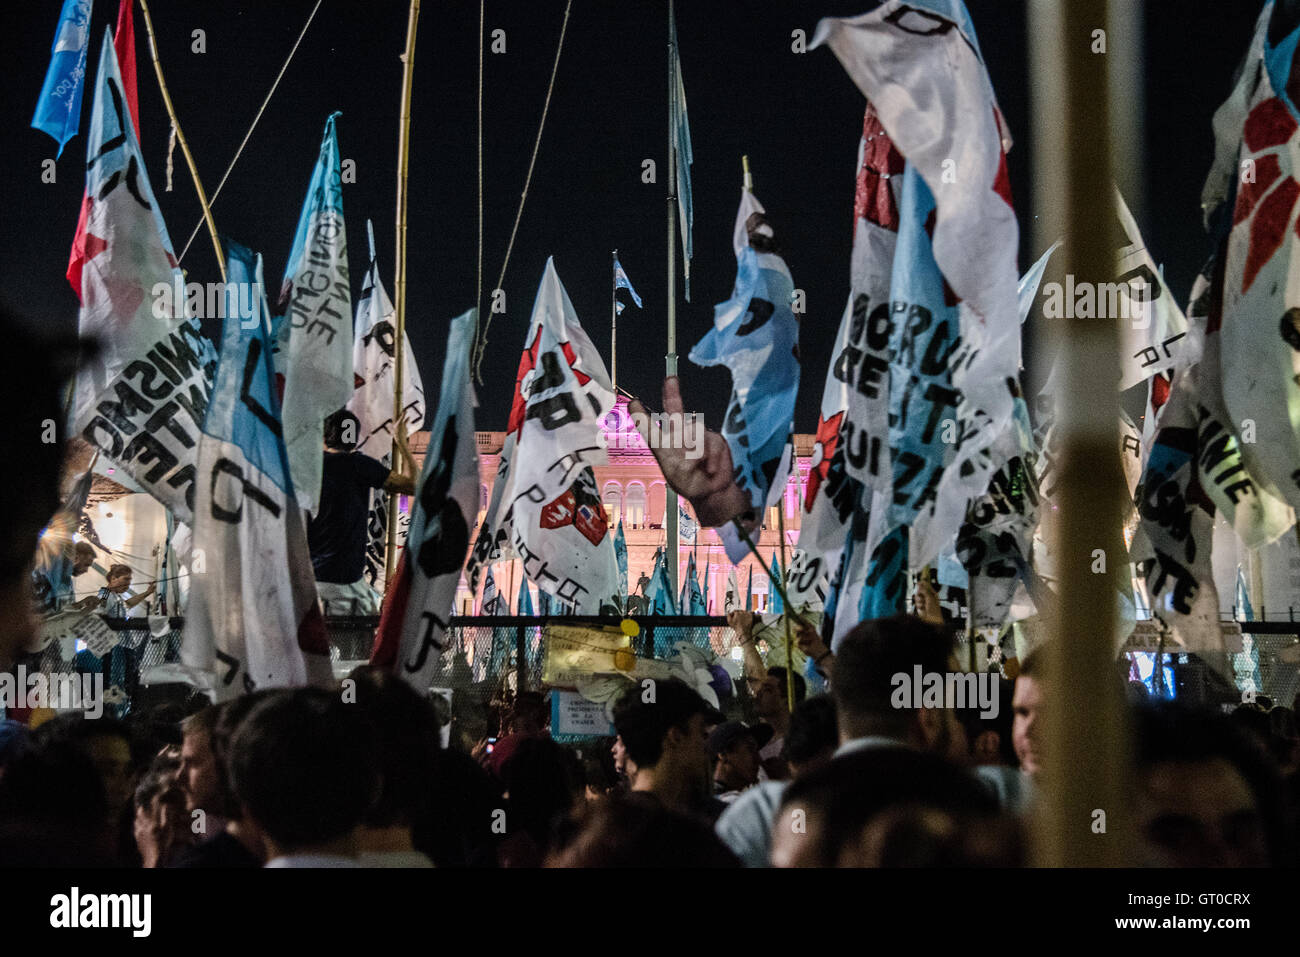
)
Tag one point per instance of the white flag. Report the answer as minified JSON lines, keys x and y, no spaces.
{"x":143,"y":398}
{"x":413,"y":627}
{"x":253,"y":618}
{"x":316,"y":333}
{"x":545,"y":503}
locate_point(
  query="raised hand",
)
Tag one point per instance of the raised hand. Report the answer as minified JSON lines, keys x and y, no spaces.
{"x":704,"y":475}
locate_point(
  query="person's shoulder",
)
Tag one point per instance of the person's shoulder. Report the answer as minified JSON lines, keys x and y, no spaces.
{"x":757,"y":802}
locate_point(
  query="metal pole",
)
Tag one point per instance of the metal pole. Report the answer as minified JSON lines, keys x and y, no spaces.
{"x":613,"y":323}
{"x":670,"y":358}
{"x":399,"y":284}
{"x":1081,"y":818}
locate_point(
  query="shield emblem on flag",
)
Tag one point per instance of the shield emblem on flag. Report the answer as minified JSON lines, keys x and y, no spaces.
{"x":558,"y":513}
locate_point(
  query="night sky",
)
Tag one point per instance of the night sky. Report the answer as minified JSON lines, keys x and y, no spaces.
{"x":797,"y":116}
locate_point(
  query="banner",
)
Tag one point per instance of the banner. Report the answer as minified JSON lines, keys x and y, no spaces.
{"x":545,"y":504}
{"x":413,"y":624}
{"x":315,"y":335}
{"x":143,"y":398}
{"x":756,"y":336}
{"x":253,"y":619}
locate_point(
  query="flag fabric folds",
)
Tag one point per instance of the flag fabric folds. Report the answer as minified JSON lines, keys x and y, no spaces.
{"x":315,"y":335}
{"x":417,"y":608}
{"x":681,"y":131}
{"x":774,"y":603}
{"x":58,"y":111}
{"x":545,"y":506}
{"x":687,"y":527}
{"x":374,"y":368}
{"x":143,"y":398}
{"x":124,"y":45}
{"x":620,"y":557}
{"x":253,"y":619}
{"x":622,"y":282}
{"x":756,"y":336}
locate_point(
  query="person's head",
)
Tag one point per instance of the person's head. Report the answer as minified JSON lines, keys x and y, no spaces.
{"x":990,"y":738}
{"x":225,"y":719}
{"x":635,"y":833}
{"x":83,"y":556}
{"x":528,"y":715}
{"x":824,"y":815}
{"x":866,"y":662}
{"x":119,"y":578}
{"x":771,"y":697}
{"x":734,"y":747}
{"x":160,"y":818}
{"x":306,"y":770}
{"x":107,"y":743}
{"x":1207,"y":795}
{"x":664,"y":728}
{"x":544,"y":783}
{"x":1284,"y":739}
{"x":342,"y":431}
{"x":409,"y":741}
{"x":1027,"y":711}
{"x":200,"y":776}
{"x":33,"y":368}
{"x":813,"y":735}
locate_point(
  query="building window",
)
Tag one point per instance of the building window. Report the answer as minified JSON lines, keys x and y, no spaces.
{"x":634,"y":506}
{"x":613,"y":502}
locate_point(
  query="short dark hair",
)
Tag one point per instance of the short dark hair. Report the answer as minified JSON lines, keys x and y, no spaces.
{"x":305,"y":767}
{"x":221,"y":722}
{"x":118,"y":569}
{"x":409,"y":741}
{"x":643,"y":725}
{"x":1168,"y":732}
{"x":852,"y":789}
{"x":813,"y":730}
{"x":336,"y":427}
{"x":870,"y":655}
{"x":83,"y":548}
{"x":630,"y":832}
{"x":800,"y":686}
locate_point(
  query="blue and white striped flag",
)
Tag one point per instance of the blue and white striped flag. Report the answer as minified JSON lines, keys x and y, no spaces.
{"x":622,"y":282}
{"x":58,"y":111}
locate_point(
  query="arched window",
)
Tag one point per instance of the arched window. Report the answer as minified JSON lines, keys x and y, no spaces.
{"x":634,"y":505}
{"x":612,"y":498}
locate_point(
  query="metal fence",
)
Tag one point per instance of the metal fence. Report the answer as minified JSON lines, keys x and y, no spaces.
{"x":490,"y":659}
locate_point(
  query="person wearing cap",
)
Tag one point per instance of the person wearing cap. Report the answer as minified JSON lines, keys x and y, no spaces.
{"x":734,"y":747}
{"x":664,"y":726}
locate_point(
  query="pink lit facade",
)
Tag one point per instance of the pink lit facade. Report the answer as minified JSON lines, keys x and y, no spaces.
{"x":633,"y":490}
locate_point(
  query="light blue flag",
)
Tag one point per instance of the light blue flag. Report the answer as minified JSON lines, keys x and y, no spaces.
{"x":695,"y":595}
{"x":524,"y":603}
{"x":749,"y":591}
{"x":620,"y":556}
{"x":921,"y":396}
{"x":755,"y":335}
{"x":704,"y":586}
{"x":681,"y":129}
{"x":543,"y":602}
{"x":774,"y":603}
{"x":660,"y":599}
{"x":687,"y":527}
{"x":58,"y":111}
{"x":622,"y":282}
{"x":1245,"y":611}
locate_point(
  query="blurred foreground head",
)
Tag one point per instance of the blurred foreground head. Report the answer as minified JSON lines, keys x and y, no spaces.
{"x":34,"y":370}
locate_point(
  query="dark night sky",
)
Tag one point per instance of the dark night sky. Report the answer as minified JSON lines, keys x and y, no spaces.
{"x":798,"y":117}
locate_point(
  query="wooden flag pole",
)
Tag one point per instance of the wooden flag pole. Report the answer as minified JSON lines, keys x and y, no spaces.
{"x":180,"y":136}
{"x":399,"y":284}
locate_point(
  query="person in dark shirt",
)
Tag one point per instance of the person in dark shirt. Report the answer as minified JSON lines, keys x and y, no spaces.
{"x":336,"y":534}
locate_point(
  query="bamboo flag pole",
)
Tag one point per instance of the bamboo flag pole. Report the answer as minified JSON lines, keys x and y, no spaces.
{"x":399,"y":284}
{"x":185,"y":147}
{"x":1081,"y":816}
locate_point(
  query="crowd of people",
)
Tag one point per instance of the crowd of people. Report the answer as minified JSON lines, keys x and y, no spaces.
{"x":359,"y":777}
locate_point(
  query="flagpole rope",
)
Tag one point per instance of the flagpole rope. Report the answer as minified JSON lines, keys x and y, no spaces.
{"x":225,"y":176}
{"x":482,"y":342}
{"x":185,"y":147}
